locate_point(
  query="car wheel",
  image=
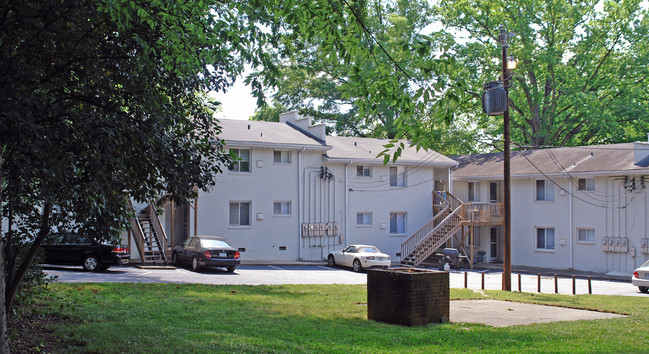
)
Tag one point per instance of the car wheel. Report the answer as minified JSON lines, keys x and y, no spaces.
{"x":357,"y":266}
{"x":91,"y":263}
{"x":195,"y":264}
{"x":643,"y":289}
{"x":331,"y":261}
{"x":231,"y":269}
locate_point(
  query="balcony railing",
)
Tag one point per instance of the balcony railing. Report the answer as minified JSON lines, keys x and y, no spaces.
{"x":483,"y":213}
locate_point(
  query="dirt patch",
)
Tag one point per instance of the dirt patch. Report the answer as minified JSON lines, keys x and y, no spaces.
{"x":30,"y":332}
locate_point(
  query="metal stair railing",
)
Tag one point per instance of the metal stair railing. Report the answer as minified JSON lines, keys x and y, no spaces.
{"x":434,"y":233}
{"x":158,"y":231}
{"x":150,"y":237}
{"x":138,"y":234}
{"x":411,"y":243}
{"x":445,"y":230}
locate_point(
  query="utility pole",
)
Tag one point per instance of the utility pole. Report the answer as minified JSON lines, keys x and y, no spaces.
{"x":503,"y":38}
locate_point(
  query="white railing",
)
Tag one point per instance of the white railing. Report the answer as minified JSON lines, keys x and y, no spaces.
{"x":449,"y":206}
{"x":490,"y":213}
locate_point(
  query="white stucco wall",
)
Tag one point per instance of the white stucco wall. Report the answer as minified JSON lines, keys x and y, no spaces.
{"x":375,"y":195}
{"x":267,"y":182}
{"x":322,"y":201}
{"x":609,"y":210}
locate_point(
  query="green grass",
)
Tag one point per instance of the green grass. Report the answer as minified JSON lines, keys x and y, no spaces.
{"x":171,"y":318}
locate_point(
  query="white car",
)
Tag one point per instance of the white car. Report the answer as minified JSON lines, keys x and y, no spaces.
{"x":359,"y":257}
{"x":641,"y":277}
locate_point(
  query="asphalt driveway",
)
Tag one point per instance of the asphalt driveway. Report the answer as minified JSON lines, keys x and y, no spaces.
{"x":320,"y":274}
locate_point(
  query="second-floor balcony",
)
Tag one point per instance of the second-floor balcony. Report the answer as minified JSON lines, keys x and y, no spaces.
{"x":478,"y":214}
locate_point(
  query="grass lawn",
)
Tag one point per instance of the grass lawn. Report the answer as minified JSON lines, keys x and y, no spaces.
{"x":173,"y":318}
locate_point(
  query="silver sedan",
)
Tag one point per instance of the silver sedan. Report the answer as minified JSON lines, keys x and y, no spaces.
{"x":359,"y":257}
{"x":641,"y":277}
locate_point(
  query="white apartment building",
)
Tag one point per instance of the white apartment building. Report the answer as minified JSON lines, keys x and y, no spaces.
{"x":583,"y":208}
{"x":298,"y":194}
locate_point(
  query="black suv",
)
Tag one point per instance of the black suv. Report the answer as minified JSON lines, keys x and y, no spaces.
{"x":75,"y":249}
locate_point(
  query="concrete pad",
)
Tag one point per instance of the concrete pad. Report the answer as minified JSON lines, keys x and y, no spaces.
{"x":504,"y":313}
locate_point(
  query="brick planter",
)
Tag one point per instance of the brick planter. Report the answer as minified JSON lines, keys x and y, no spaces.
{"x":407,"y":296}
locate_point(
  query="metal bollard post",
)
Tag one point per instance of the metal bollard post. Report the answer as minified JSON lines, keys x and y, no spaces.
{"x":539,"y":282}
{"x":466,"y":279}
{"x":574,"y":285}
{"x":519,"y":282}
{"x":590,"y":288}
{"x":482,"y":280}
{"x":556,"y":284}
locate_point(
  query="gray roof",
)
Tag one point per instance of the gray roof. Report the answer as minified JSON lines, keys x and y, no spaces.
{"x":366,"y":150}
{"x":584,"y":160}
{"x":250,"y":133}
{"x":246,"y":133}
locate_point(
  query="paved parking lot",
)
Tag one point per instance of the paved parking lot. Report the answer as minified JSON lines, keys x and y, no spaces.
{"x":318,"y":274}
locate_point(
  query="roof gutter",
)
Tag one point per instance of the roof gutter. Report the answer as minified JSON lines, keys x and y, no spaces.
{"x":238,"y":144}
{"x":558,"y":174}
{"x":377,"y":161}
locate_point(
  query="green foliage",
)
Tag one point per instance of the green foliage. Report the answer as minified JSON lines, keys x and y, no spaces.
{"x":582,"y":67}
{"x":367,"y":68}
{"x":103,"y":101}
{"x":313,"y":318}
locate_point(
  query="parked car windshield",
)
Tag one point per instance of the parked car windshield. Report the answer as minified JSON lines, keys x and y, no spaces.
{"x":368,"y":250}
{"x":207,"y":243}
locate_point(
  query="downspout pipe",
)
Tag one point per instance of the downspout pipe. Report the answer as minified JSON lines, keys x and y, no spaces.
{"x":346,"y":238}
{"x":300,"y":182}
{"x":450,"y":181}
{"x":570,"y":223}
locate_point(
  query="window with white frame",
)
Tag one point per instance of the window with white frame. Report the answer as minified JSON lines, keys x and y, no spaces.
{"x":282,"y":156}
{"x":281,"y":208}
{"x":363,"y":219}
{"x":397,"y":176}
{"x":544,"y":190}
{"x":473,"y":192}
{"x":239,"y":213}
{"x":544,"y":238}
{"x":397,"y":223}
{"x":586,"y":235}
{"x":586,"y":184}
{"x":241,"y":161}
{"x":363,"y":171}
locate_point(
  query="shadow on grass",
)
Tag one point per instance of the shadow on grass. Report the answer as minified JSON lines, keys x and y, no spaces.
{"x":291,"y":318}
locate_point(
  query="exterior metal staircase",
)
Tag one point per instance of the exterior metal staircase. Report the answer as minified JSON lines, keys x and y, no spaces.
{"x":446,"y":222}
{"x":150,"y":237}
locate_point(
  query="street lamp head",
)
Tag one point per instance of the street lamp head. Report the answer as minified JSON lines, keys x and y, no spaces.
{"x":511,"y":63}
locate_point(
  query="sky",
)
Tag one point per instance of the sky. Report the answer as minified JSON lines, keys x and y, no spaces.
{"x":237,"y":103}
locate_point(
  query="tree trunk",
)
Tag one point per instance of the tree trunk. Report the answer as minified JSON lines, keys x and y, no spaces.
{"x":27,"y":262}
{"x":9,"y":249}
{"x":4,"y":345}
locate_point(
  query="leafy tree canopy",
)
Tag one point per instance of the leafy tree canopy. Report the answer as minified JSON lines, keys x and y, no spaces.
{"x":103,"y":101}
{"x":367,"y":68}
{"x":582,"y":68}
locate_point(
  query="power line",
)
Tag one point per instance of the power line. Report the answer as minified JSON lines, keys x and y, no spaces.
{"x":367,"y":31}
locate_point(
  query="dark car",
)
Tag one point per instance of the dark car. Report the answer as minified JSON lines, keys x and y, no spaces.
{"x":206,"y":251}
{"x":68,"y":248}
